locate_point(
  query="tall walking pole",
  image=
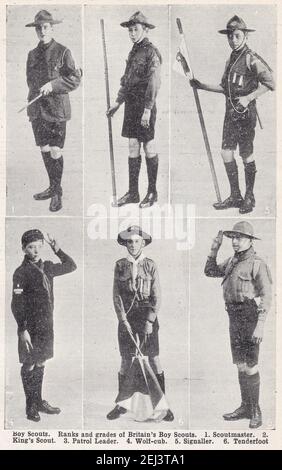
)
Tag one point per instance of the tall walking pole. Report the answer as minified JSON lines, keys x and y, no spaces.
{"x":112,"y":160}
{"x":188,"y":70}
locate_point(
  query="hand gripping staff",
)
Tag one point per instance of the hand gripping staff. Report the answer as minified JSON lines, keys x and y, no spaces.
{"x":185,"y":62}
{"x":112,"y":161}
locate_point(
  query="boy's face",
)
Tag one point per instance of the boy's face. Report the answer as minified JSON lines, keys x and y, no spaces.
{"x":136,"y":32}
{"x":33,"y":249}
{"x":241,"y":243}
{"x":135,"y":245}
{"x":236,"y":38}
{"x":44,"y":32}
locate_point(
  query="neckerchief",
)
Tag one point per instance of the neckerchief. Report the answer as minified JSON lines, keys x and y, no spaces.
{"x":39,"y":266}
{"x":134,"y":267}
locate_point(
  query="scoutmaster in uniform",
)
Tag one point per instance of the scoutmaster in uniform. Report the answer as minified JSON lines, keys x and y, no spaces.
{"x":32,"y":307}
{"x":246,"y":282}
{"x":139,"y":87}
{"x":246,"y":78}
{"x":136,"y":297}
{"x":51,"y":71}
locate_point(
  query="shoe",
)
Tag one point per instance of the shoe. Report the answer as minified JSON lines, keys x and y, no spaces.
{"x":169,"y":416}
{"x":256,"y":417}
{"x":231,"y":201}
{"x":116,"y":412}
{"x":248,"y":204}
{"x":240,"y":413}
{"x":44,"y":407}
{"x":32,"y":413}
{"x":47,"y":194}
{"x":56,"y":203}
{"x":149,"y":200}
{"x":128,"y":198}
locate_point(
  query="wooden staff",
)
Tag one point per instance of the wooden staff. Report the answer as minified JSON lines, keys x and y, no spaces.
{"x":112,"y":161}
{"x":200,"y":113}
{"x":30,"y":102}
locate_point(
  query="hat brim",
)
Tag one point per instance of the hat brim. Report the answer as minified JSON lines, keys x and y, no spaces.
{"x":127,"y":24}
{"x":227,"y":31}
{"x":124,"y":236}
{"x":38,"y":23}
{"x":231,"y":233}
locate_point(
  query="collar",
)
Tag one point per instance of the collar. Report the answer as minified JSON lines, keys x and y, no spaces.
{"x":43,"y":46}
{"x":242,"y":255}
{"x":237,"y":52}
{"x":145,"y":41}
{"x":28,"y":261}
{"x":135,"y":261}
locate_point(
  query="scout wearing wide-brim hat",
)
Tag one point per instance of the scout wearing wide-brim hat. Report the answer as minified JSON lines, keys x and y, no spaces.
{"x":31,"y":236}
{"x":43,"y":16}
{"x":236,"y":23}
{"x":137,"y":18}
{"x":241,"y":228}
{"x":125,"y":235}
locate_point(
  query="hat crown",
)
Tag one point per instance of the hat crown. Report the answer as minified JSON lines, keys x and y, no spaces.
{"x":43,"y":15}
{"x":138,"y":17}
{"x":31,"y":235}
{"x":244,"y":228}
{"x":236,"y":23}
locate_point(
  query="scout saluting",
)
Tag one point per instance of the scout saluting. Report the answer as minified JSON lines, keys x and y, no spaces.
{"x":32,"y":307}
{"x":245,"y":79}
{"x":51,"y":72}
{"x":139,"y":87}
{"x":246,"y":278}
{"x":136,"y":297}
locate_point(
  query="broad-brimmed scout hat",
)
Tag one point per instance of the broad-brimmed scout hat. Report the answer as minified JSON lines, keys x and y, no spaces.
{"x":43,"y":16}
{"x":31,"y":236}
{"x":241,"y":228}
{"x":137,"y":18}
{"x":125,"y":235}
{"x":236,"y":23}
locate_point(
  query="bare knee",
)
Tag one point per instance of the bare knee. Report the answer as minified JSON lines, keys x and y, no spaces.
{"x":227,"y":155}
{"x":248,"y":159}
{"x":56,"y":152}
{"x":241,"y":367}
{"x":251,"y":370}
{"x":41,"y":364}
{"x":150,"y":149}
{"x":45,"y":148}
{"x":28,"y":366}
{"x":134,"y":148}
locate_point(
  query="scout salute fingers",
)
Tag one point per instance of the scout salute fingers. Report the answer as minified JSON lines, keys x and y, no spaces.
{"x":136,"y":297}
{"x":246,"y":78}
{"x":247,"y":294}
{"x":139,"y":87}
{"x":50,"y":71}
{"x":32,"y":307}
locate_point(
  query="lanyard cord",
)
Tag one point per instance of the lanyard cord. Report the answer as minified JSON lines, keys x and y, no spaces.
{"x":229,"y":88}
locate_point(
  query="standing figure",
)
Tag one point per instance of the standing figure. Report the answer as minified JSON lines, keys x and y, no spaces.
{"x":136,"y":297}
{"x":247,"y":294}
{"x":139,"y":87}
{"x":51,"y":71}
{"x":246,"y":78}
{"x":32,"y":307}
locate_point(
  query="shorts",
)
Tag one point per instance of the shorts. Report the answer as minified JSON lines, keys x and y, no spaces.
{"x":149,"y":345}
{"x":242,"y":322}
{"x":239,"y":130}
{"x":49,"y":133}
{"x":43,"y":347}
{"x":133,"y":111}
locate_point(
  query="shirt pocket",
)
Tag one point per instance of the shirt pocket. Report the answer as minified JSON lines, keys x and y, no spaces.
{"x":140,"y":67}
{"x":54,"y":67}
{"x":125,"y":280}
{"x":245,"y":283}
{"x":145,"y":284}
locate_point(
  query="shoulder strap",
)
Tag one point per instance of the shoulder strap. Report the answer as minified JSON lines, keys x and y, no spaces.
{"x":250,"y":54}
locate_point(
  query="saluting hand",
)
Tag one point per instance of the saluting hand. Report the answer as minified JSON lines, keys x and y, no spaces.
{"x":217,"y":241}
{"x":112,"y":110}
{"x":46,"y":89}
{"x":52,"y":242}
{"x":26,"y":341}
{"x":145,"y":120}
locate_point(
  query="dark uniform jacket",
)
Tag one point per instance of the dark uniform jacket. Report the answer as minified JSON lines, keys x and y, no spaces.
{"x":53,"y":63}
{"x":143,"y":297}
{"x":141,"y":78}
{"x":245,"y":276}
{"x":33,"y":300}
{"x":244,"y":71}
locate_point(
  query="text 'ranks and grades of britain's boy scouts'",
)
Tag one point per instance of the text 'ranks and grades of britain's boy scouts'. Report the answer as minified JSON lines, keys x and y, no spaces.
{"x":136,"y":297}
{"x":139,"y":87}
{"x":51,"y":73}
{"x":246,"y":277}
{"x":246,"y":78}
{"x":32,"y":307}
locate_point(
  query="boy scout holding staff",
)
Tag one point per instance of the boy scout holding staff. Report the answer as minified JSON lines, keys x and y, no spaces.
{"x":246,"y":78}
{"x":136,"y":297}
{"x":139,"y":87}
{"x":52,"y":72}
{"x":32,"y":307}
{"x":247,"y":294}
